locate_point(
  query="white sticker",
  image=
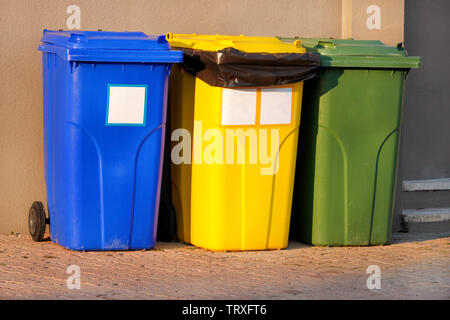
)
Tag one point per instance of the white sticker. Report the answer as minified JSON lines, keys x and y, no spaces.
{"x":127,"y":104}
{"x":276,"y":105}
{"x":238,"y":106}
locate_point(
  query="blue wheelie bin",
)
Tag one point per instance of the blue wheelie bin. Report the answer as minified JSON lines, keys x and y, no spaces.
{"x":105,"y":96}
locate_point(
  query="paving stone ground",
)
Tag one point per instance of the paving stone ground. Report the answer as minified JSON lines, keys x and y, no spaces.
{"x":413,"y":266}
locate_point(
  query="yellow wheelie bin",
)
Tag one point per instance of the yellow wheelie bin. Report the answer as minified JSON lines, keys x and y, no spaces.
{"x":235,"y":109}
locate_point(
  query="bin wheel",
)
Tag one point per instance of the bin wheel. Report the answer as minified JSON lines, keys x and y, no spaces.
{"x":37,"y":221}
{"x":166,"y":222}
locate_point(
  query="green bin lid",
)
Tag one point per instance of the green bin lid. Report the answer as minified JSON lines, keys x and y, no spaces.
{"x":358,"y":53}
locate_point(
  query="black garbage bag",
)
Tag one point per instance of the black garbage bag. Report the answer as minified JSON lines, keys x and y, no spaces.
{"x":232,"y":68}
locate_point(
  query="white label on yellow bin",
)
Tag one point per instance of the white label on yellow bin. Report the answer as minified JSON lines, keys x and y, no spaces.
{"x":127,"y":105}
{"x":238,"y":106}
{"x":276,"y":105}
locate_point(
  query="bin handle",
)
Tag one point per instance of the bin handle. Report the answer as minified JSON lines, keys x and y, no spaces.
{"x":77,"y":37}
{"x":400,"y":46}
{"x":326,"y":44}
{"x":298,"y":43}
{"x":161,"y":39}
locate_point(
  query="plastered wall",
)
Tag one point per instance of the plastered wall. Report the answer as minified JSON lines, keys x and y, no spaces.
{"x":22,"y":21}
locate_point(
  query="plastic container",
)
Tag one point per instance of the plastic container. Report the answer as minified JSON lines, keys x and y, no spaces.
{"x":104,"y":118}
{"x":227,"y":84}
{"x":349,"y":138}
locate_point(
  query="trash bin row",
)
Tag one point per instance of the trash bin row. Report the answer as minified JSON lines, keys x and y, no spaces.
{"x":235,"y":106}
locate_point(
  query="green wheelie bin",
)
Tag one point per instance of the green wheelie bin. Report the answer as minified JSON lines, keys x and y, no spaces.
{"x":348,"y":143}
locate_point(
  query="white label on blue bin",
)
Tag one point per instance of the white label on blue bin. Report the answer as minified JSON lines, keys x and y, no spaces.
{"x":238,"y":106}
{"x":276,"y":105}
{"x":127,"y":105}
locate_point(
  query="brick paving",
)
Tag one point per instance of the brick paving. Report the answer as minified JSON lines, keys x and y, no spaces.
{"x":412,"y":267}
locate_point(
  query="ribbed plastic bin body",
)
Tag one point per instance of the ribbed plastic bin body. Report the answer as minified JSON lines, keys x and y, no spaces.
{"x":236,"y":205}
{"x":346,"y":172}
{"x":104,"y":120}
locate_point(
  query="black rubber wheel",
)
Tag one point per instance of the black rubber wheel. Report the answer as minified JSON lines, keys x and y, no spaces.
{"x":37,"y":221}
{"x":167,"y":227}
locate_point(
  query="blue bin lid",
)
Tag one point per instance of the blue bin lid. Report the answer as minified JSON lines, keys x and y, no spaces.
{"x":105,"y":46}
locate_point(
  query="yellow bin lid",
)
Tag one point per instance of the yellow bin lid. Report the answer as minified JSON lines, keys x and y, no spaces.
{"x":241,"y":42}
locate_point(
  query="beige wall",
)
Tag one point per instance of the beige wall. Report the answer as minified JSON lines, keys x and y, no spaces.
{"x":21,"y":24}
